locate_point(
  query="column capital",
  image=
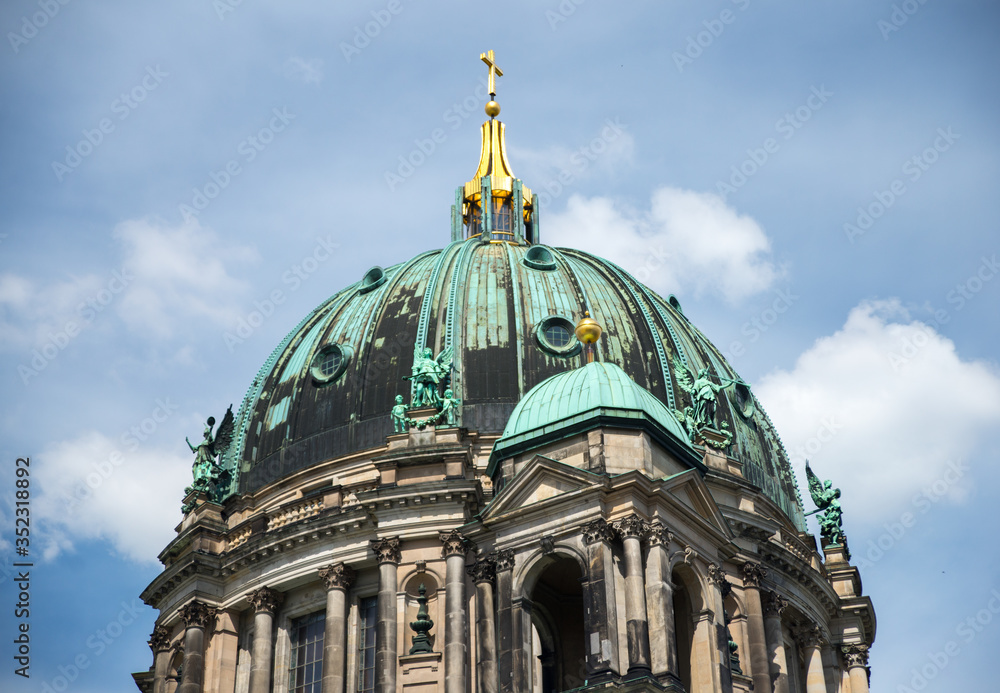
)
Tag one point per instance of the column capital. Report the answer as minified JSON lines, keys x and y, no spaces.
{"x":808,"y":636}
{"x":387,"y":550}
{"x":159,"y":639}
{"x":265,"y":599}
{"x":718,"y":576}
{"x":503,"y":560}
{"x":658,"y":534}
{"x":597,"y":530}
{"x":631,"y":526}
{"x":855,"y":655}
{"x":774,"y":604}
{"x":483,"y":570}
{"x":453,"y":543}
{"x":753,"y":574}
{"x":196,"y":614}
{"x":337,"y":576}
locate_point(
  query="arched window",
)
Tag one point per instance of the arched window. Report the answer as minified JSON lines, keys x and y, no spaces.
{"x":557,"y":628}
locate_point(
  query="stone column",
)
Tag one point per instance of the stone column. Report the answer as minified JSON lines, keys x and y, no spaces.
{"x":483,"y":573}
{"x":456,"y":643}
{"x":717,"y":576}
{"x":159,"y":643}
{"x":810,"y":640}
{"x":338,"y":578}
{"x":660,"y":600}
{"x":856,"y":659}
{"x":265,"y":602}
{"x":504,"y":562}
{"x":198,"y":618}
{"x":388,"y":556}
{"x":760,"y":670}
{"x":600,"y":607}
{"x":774,"y":604}
{"x":631,"y":529}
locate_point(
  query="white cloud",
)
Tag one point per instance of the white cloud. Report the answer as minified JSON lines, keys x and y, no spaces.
{"x":94,"y":487}
{"x":557,"y":168}
{"x":884,"y":426}
{"x":302,"y":70}
{"x":685,"y":241}
{"x":32,"y":315}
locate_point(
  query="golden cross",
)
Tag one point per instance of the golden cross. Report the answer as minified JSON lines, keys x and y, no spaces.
{"x":494,"y":70}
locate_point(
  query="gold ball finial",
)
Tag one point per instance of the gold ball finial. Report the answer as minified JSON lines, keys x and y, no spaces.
{"x":588,"y":330}
{"x":492,"y":109}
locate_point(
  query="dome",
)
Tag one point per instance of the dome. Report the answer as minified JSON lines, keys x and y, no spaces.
{"x":507,"y":311}
{"x":578,"y":397}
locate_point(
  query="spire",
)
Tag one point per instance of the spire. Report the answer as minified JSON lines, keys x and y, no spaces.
{"x":494,"y":205}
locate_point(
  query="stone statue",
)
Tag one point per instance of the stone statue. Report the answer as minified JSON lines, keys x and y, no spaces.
{"x":205,"y":469}
{"x":449,"y":408}
{"x":400,"y":422}
{"x":428,"y":374}
{"x":825,"y":497}
{"x":703,"y":394}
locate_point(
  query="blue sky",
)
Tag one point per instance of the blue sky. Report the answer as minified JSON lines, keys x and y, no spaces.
{"x":814,"y":181}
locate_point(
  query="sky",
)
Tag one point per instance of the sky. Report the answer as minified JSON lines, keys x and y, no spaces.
{"x":182,"y":182}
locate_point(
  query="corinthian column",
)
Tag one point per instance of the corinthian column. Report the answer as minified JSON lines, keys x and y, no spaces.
{"x":760,"y":670}
{"x":483,"y":573}
{"x":197,"y":617}
{"x":856,"y":658}
{"x":660,"y":602}
{"x":388,"y":555}
{"x":774,"y":604}
{"x":632,"y":529}
{"x":717,"y":576}
{"x":265,"y":602}
{"x":159,"y":643}
{"x":810,"y":639}
{"x":506,"y":626}
{"x":338,"y":578}
{"x":600,"y":607}
{"x":455,"y":642}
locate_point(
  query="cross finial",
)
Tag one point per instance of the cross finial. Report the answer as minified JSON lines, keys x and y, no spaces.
{"x":494,"y":70}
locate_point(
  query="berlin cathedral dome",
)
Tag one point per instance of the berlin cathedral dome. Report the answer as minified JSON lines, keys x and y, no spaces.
{"x":502,"y":466}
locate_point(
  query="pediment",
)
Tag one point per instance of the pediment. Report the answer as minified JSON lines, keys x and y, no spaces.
{"x":542,"y":480}
{"x":688,"y":489}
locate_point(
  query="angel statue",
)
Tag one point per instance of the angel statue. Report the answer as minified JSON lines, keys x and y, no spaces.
{"x":825,"y":497}
{"x":703,"y":394}
{"x":449,"y":407}
{"x":428,"y":374}
{"x":398,"y":415}
{"x":205,"y":469}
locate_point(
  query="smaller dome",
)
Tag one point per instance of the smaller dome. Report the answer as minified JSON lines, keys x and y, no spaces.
{"x":569,"y":400}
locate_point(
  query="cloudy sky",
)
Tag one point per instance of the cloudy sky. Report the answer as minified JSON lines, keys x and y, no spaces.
{"x":816,"y":182}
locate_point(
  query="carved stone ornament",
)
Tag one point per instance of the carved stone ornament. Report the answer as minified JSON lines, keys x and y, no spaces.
{"x":855,"y":655}
{"x":453,"y":543}
{"x":631,"y":526}
{"x":809,"y":636}
{"x":717,"y":575}
{"x":265,"y":599}
{"x":597,"y":530}
{"x":483,"y":570}
{"x":198,"y":614}
{"x":386,"y":550}
{"x":753,"y":574}
{"x":337,"y":576}
{"x":159,"y":640}
{"x":774,"y":604}
{"x":504,"y":560}
{"x":658,"y":535}
{"x":547,"y":545}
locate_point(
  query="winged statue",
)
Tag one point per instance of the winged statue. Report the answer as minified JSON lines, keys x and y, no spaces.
{"x":429,"y":374}
{"x":703,"y":393}
{"x":205,"y":469}
{"x":828,"y":506}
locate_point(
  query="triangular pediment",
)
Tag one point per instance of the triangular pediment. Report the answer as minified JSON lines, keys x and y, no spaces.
{"x":542,"y":480}
{"x":688,"y":489}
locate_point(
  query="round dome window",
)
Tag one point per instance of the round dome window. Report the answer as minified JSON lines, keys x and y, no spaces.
{"x":744,"y":400}
{"x":330,"y":363}
{"x":555,"y":335}
{"x":374,"y":278}
{"x":675,"y":304}
{"x":540,"y":258}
